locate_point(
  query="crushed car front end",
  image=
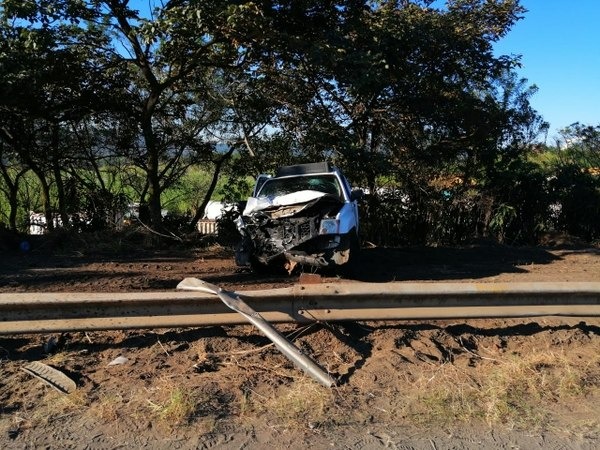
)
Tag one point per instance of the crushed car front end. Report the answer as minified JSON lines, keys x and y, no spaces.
{"x":300,"y":218}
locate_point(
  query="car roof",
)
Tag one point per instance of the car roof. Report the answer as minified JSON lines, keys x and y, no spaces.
{"x":304,"y":169}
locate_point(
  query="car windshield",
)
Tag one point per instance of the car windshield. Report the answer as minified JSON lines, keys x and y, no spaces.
{"x":276,"y":187}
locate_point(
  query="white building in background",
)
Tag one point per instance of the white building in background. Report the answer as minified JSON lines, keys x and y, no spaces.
{"x":214,"y":211}
{"x":207,"y":225}
{"x":38,"y":225}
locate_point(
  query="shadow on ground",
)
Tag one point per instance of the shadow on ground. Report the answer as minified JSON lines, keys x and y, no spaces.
{"x":444,"y":263}
{"x":164,"y":270}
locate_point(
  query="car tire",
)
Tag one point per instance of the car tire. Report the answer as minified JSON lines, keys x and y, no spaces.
{"x":259,"y":267}
{"x":351,"y":268}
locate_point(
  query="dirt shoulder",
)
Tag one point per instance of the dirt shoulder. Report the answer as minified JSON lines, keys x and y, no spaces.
{"x":38,"y":271}
{"x":440,"y":384}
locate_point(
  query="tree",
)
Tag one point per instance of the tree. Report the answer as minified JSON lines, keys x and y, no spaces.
{"x":172,"y":71}
{"x":575,"y":181}
{"x":403,"y":95}
{"x":177,"y":61}
{"x":12,"y":172}
{"x":385,"y":80}
{"x":38,"y":100}
{"x":398,"y":93}
{"x":581,"y":144}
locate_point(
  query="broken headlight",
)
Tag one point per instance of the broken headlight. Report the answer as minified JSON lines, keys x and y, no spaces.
{"x":329,"y":226}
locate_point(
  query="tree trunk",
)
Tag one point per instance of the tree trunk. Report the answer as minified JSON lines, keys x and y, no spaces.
{"x":211,"y":188}
{"x":58,"y":179}
{"x":60,"y":192}
{"x":12,"y":195}
{"x":152,"y":171}
{"x":14,"y":201}
{"x":45,"y":197}
{"x":12,"y":215}
{"x":154,"y":203}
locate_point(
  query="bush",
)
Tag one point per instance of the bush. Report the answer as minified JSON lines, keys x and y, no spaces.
{"x":577,"y":196}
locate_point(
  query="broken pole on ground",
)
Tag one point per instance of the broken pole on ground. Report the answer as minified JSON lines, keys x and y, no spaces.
{"x":233,"y":301}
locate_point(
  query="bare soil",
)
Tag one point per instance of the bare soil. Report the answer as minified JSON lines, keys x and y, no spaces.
{"x":527,"y":383}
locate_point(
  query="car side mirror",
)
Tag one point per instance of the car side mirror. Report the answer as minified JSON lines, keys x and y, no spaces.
{"x":356,"y":194}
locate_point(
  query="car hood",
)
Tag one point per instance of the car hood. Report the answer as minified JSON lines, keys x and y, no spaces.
{"x":300,"y":198}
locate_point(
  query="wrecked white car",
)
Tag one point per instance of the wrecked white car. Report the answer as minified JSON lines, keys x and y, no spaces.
{"x":305,"y":215}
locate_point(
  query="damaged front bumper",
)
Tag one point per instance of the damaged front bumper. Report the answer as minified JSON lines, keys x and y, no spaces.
{"x":336,"y":253}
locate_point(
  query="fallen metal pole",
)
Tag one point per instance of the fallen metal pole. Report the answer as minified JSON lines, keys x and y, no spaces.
{"x":55,"y":312}
{"x":234,"y":302}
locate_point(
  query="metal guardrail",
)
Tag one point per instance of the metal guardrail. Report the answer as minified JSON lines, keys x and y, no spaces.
{"x":56,"y":312}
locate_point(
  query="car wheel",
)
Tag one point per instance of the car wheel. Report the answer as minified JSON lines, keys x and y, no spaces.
{"x":352,"y":266}
{"x":259,"y":267}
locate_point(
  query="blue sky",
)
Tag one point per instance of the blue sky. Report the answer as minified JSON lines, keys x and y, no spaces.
{"x":560,"y":46}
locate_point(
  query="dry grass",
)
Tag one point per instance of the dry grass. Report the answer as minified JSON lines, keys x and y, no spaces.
{"x":107,"y":407}
{"x":517,"y":392}
{"x":173,"y":405}
{"x":588,"y":428}
{"x":218,"y":382}
{"x":54,"y":406}
{"x":303,"y":404}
